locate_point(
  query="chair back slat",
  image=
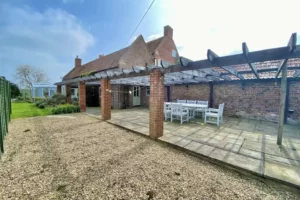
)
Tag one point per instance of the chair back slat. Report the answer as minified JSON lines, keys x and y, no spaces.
{"x":181,"y":101}
{"x":202,"y":103}
{"x":191,"y":101}
{"x":221,"y":109}
{"x":176,"y":109}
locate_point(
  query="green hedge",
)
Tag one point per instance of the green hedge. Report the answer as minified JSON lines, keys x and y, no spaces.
{"x":66,"y":108}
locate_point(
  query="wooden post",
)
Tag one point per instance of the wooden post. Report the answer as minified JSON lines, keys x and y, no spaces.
{"x":211,"y":95}
{"x":286,"y":110}
{"x":282,"y":104}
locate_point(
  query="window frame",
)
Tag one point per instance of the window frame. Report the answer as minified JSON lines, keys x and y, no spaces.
{"x":174,"y":53}
{"x":147,"y":91}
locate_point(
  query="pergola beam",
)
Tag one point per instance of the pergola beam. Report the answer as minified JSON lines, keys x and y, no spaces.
{"x":211,"y":56}
{"x":245,"y":53}
{"x":292,"y":47}
{"x":296,"y":73}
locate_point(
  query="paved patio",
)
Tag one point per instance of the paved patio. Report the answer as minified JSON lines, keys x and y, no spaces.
{"x":246,"y":145}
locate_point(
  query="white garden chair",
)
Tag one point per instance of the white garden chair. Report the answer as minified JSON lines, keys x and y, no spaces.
{"x":214,"y":113}
{"x":191,"y":101}
{"x":201,"y":110}
{"x":167,"y":111}
{"x":181,"y":101}
{"x":180,"y":113}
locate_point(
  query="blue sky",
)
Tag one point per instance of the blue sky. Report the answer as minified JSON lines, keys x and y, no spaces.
{"x":49,"y":34}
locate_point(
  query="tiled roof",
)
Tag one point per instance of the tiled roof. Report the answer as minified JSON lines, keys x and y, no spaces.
{"x":108,"y":61}
{"x":104,"y":62}
{"x":262,"y":65}
{"x":153,"y":44}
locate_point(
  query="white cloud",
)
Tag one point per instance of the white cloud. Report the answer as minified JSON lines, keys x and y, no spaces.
{"x":223,"y":25}
{"x":72,"y":1}
{"x":44,"y":40}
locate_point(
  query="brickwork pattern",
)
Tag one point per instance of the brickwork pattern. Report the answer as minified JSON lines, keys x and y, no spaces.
{"x":294,"y":100}
{"x":68,"y":94}
{"x":145,"y":98}
{"x":105,"y":99}
{"x":157,"y":95}
{"x":254,"y":100}
{"x":82,"y":96}
{"x":117,"y":93}
{"x":193,"y":92}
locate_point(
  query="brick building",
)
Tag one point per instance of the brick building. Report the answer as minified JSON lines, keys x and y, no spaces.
{"x":139,"y":53}
{"x":255,"y":99}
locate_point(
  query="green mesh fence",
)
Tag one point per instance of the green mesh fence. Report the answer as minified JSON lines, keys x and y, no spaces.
{"x":5,"y":110}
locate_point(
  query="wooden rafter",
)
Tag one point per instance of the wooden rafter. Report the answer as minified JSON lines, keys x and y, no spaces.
{"x":251,"y":65}
{"x":292,"y":47}
{"x":296,"y":73}
{"x":211,"y":56}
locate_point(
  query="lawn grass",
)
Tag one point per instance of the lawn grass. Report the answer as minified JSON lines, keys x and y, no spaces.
{"x":20,"y":110}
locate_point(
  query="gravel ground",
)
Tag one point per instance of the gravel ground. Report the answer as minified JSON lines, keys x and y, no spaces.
{"x":79,"y":157}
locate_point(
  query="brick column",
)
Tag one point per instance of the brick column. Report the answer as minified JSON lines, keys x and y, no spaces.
{"x":105,"y":99}
{"x":68,"y":94}
{"x":58,"y":89}
{"x":82,"y":96}
{"x":156,"y":104}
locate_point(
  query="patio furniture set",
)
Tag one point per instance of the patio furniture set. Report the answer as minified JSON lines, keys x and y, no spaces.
{"x":184,"y":110}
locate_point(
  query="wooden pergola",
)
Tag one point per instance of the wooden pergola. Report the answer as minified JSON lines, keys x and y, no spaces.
{"x":212,"y":69}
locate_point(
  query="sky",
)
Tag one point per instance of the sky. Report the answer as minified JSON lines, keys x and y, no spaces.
{"x":49,"y":34}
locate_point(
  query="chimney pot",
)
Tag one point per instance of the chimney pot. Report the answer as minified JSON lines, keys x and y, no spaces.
{"x":168,"y":31}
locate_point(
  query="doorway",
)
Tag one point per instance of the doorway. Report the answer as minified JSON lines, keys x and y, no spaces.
{"x":136,"y":96}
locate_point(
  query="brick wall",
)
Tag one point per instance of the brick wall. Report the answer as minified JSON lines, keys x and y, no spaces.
{"x":194,"y":92}
{"x":252,"y":99}
{"x":145,"y":98}
{"x":294,"y":100}
{"x":164,"y":51}
{"x":117,"y":96}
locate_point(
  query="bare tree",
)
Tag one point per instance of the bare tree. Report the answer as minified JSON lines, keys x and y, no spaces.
{"x":27,"y":76}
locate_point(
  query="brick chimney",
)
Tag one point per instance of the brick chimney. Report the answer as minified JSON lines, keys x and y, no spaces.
{"x":168,"y":31}
{"x":77,"y":62}
{"x":101,"y":55}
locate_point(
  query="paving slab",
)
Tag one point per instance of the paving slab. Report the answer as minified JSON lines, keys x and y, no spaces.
{"x":251,"y":153}
{"x":205,"y":150}
{"x":282,"y":172}
{"x":233,"y":147}
{"x":183,"y":142}
{"x":217,"y":143}
{"x":282,"y":160}
{"x":170,"y":139}
{"x":245,"y":162}
{"x":193,"y":146}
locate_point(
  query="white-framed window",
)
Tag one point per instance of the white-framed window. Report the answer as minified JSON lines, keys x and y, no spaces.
{"x":147,"y":91}
{"x":174,"y":53}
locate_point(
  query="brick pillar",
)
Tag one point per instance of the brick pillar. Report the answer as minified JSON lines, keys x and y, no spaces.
{"x":156,"y":104}
{"x":68,"y":94}
{"x":58,"y":89}
{"x":105,"y":99}
{"x":82,"y":96}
